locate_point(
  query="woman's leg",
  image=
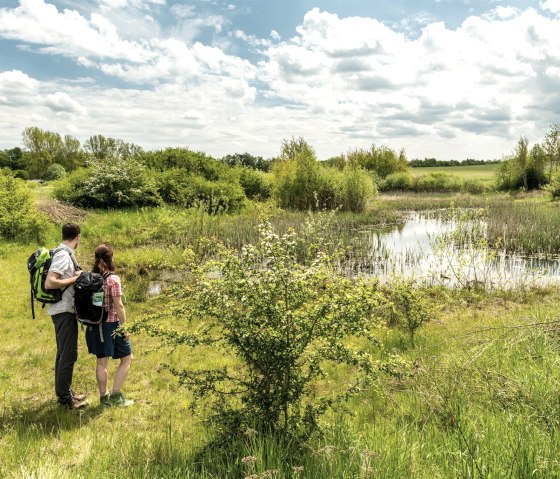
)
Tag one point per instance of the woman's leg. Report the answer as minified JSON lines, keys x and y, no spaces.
{"x":101,"y":375}
{"x":122,"y":371}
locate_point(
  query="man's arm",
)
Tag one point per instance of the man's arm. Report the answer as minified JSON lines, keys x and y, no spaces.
{"x":54,"y":281}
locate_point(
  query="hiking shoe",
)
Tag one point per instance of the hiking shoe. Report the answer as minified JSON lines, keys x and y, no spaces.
{"x":75,"y":404}
{"x":78,"y":397}
{"x":118,"y":399}
{"x":105,"y":400}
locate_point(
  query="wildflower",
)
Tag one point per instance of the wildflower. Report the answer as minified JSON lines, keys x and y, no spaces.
{"x":249,"y":460}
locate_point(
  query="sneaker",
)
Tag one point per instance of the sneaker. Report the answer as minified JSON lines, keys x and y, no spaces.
{"x":78,"y":397}
{"x":105,"y":400}
{"x":75,"y":404}
{"x":118,"y":399}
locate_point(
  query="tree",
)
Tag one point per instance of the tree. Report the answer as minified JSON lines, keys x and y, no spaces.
{"x":521,"y":159}
{"x":46,"y":147}
{"x":551,"y":146}
{"x":101,"y":147}
{"x":380,"y":159}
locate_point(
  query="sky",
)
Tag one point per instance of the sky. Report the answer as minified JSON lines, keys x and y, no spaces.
{"x":450,"y":79}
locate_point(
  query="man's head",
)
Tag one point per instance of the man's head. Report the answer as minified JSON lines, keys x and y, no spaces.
{"x":71,"y":235}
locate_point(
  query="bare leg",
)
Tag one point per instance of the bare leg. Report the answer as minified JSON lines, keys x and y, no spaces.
{"x":122,"y":371}
{"x":101,"y":375}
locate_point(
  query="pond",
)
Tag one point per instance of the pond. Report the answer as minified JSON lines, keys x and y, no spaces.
{"x":427,"y":248}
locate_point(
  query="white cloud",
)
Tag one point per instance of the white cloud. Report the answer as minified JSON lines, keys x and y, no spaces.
{"x":551,"y":5}
{"x":62,"y":102}
{"x":338,"y":82}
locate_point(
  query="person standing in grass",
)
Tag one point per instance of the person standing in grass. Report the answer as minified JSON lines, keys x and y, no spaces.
{"x":115,"y":344}
{"x":63,"y":272}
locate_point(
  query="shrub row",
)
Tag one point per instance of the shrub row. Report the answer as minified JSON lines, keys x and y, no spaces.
{"x":431,"y":183}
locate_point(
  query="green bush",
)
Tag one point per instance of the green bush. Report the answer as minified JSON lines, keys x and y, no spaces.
{"x":289,"y":326}
{"x":301,"y":182}
{"x":397,"y":182}
{"x":181,"y":188}
{"x":553,"y":188}
{"x":355,"y":188}
{"x":110,"y":183}
{"x":55,"y":172}
{"x":19,"y":220}
{"x":474,"y":187}
{"x":255,"y":184}
{"x":437,"y":182}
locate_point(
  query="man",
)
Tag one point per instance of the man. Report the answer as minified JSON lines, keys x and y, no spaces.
{"x":62,"y":274}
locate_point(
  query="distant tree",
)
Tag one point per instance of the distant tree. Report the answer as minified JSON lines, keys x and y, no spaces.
{"x":247,"y":160}
{"x":551,"y":147}
{"x":101,"y":147}
{"x":521,"y":159}
{"x":12,"y":159}
{"x":46,"y":147}
{"x":380,"y":159}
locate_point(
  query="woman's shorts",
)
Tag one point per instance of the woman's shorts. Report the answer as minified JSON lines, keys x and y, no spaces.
{"x":113,"y":345}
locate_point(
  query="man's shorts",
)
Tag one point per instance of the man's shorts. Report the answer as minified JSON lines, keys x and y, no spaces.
{"x":113,"y":345}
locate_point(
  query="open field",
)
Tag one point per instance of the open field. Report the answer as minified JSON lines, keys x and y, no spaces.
{"x":483,"y":173}
{"x":480,"y":399}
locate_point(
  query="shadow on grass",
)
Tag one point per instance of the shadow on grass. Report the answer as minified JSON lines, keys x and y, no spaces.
{"x":43,"y":418}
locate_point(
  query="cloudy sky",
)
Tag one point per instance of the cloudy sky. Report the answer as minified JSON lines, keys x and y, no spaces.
{"x":441,"y":78}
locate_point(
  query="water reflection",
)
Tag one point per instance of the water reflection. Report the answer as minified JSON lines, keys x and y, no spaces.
{"x":425,"y":248}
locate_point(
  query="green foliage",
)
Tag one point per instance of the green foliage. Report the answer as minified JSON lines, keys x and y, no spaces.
{"x":438,"y":182}
{"x":247,"y":160}
{"x":178,"y":186}
{"x":380,"y":159}
{"x":193,"y":162}
{"x":255,"y":184}
{"x":300,"y":180}
{"x":19,"y":220}
{"x":100,"y":147}
{"x":355,"y":188}
{"x":55,"y":172}
{"x":408,"y":306}
{"x":12,"y":159}
{"x":397,"y":182}
{"x":288,"y":325}
{"x":109,"y":183}
{"x":46,"y":147}
{"x":553,"y":188}
{"x":524,"y":168}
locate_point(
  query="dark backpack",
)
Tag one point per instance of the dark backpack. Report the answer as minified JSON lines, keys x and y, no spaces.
{"x":38,"y":266}
{"x":89,"y":297}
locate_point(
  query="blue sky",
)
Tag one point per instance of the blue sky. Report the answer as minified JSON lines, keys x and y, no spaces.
{"x":445,"y":79}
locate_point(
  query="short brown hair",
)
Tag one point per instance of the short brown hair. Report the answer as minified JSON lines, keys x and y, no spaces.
{"x":103,"y":259}
{"x":70,"y":231}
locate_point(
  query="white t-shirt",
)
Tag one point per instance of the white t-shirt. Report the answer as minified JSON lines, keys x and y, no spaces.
{"x":63,"y":265}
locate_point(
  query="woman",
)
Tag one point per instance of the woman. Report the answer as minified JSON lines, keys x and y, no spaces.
{"x":114,"y":344}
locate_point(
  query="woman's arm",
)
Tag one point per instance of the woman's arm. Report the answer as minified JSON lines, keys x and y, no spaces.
{"x":119,"y":309}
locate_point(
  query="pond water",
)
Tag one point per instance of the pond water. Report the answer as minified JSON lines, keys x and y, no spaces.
{"x":425,"y":249}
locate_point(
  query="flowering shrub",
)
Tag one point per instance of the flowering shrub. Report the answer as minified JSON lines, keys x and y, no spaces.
{"x":303,"y":337}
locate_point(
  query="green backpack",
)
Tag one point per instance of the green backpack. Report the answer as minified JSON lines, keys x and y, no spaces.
{"x":38,"y":266}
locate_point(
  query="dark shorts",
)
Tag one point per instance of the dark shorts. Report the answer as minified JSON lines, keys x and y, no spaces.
{"x":113,"y":345}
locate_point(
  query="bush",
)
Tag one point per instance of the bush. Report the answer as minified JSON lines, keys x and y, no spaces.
{"x":188,"y":190}
{"x":302,"y":183}
{"x":437,"y":182}
{"x":355,"y":188}
{"x":474,"y":187}
{"x":289,"y":327}
{"x":110,"y":183}
{"x":255,"y":184}
{"x":55,"y":172}
{"x":553,"y":188}
{"x":397,"y":182}
{"x":19,"y":220}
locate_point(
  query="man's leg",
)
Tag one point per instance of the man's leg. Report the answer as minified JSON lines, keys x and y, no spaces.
{"x":66,"y":329}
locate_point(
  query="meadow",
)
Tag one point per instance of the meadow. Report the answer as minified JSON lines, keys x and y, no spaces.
{"x":483,"y":173}
{"x":480,"y":398}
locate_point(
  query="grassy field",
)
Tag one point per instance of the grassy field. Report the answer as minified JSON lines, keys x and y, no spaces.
{"x":484,"y":173}
{"x":481,"y":399}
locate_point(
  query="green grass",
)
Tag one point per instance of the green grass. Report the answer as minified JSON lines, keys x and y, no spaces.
{"x":484,"y":173}
{"x":482,"y":400}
